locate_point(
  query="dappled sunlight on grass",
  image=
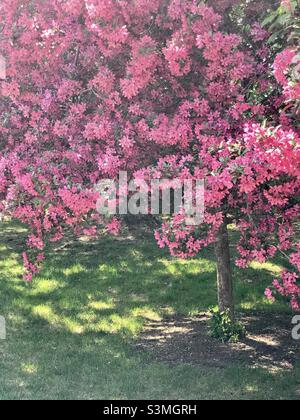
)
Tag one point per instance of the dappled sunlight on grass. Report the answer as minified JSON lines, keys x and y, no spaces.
{"x":117,"y":324}
{"x":45,"y":287}
{"x":251,"y":389}
{"x":195,"y":267}
{"x":72,"y":326}
{"x":107,"y":270}
{"x":46,"y":312}
{"x":11,"y":266}
{"x":29,"y":368}
{"x":115,"y":287}
{"x":74,"y":269}
{"x":100,"y":306}
{"x":249,"y":306}
{"x":146,"y":313}
{"x":273,"y":268}
{"x":70,"y":332}
{"x":96,"y":316}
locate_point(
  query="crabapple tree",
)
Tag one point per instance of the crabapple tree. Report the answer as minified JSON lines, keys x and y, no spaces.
{"x":166,"y":88}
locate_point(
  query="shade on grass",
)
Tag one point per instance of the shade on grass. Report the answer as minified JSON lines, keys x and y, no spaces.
{"x":70,"y":332}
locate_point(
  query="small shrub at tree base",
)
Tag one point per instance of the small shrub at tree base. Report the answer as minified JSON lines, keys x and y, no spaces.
{"x":224,"y":329}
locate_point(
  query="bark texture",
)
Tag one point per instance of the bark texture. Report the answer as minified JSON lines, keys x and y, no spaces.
{"x":224,"y":272}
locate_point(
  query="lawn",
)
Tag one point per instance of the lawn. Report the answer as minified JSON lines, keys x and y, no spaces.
{"x":73,"y":332}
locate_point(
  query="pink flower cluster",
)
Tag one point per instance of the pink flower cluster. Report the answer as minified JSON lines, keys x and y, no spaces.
{"x":284,"y":63}
{"x":287,"y":286}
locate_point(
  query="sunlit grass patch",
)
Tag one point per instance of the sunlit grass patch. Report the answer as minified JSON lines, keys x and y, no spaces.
{"x":74,"y":269}
{"x":273,"y":268}
{"x":29,"y":368}
{"x":100,"y":305}
{"x":44,"y":286}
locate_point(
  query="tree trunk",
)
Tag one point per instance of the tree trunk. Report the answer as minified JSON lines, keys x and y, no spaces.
{"x":225,"y":282}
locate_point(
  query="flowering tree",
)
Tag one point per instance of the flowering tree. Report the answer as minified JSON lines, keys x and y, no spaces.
{"x":170,"y":87}
{"x":286,"y":36}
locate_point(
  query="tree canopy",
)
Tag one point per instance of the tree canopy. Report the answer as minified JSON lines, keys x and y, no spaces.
{"x":166,"y":88}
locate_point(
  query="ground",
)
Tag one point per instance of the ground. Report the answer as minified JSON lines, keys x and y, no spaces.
{"x":268,"y":345}
{"x":119,"y":319}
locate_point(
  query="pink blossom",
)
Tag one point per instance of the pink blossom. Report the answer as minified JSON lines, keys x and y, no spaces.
{"x":114,"y":226}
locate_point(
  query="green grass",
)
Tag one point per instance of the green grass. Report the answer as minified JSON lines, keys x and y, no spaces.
{"x":70,"y":332}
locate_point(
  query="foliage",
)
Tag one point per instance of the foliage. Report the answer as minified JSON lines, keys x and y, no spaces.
{"x":224,"y":329}
{"x":161,"y":88}
{"x":284,"y":24}
{"x":256,"y":184}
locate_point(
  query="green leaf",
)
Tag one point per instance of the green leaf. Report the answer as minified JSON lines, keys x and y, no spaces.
{"x":270,"y":19}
